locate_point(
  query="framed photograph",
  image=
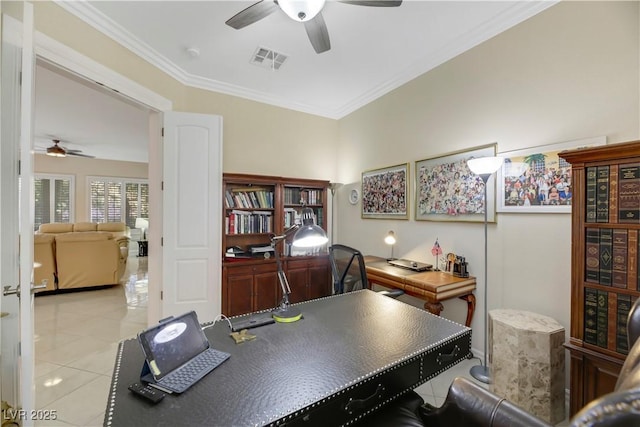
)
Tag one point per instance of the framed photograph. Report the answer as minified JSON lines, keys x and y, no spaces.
{"x":537,"y":180}
{"x":384,"y":192}
{"x":447,"y":190}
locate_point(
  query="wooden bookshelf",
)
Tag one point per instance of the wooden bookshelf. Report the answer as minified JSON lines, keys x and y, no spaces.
{"x":255,"y":207}
{"x":605,"y":223}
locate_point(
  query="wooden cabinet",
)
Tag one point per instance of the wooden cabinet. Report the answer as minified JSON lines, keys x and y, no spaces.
{"x":257,"y":207}
{"x":248,"y":287}
{"x":309,"y":278}
{"x":605,"y":223}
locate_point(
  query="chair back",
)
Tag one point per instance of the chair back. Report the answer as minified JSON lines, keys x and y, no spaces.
{"x":347,"y":268}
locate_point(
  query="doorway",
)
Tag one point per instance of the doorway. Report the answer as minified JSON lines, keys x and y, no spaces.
{"x":77,"y":333}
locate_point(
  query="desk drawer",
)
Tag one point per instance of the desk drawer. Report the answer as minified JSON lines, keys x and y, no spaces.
{"x":353,"y":403}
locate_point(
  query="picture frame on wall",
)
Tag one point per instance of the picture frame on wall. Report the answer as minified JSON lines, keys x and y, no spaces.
{"x":537,"y":180}
{"x":384,"y":192}
{"x":447,"y":190}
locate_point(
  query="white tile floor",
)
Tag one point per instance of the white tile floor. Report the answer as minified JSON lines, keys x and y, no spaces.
{"x":76,"y":339}
{"x":77,"y":336}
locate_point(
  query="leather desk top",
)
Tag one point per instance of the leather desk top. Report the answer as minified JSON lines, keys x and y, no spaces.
{"x":299,"y":372}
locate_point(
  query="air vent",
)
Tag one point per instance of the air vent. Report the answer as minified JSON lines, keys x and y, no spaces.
{"x":269,"y":59}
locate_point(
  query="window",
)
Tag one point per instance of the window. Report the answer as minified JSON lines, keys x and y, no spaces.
{"x":118,"y":200}
{"x":54,"y":196}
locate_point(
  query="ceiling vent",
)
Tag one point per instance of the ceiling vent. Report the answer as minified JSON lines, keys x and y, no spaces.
{"x":269,"y":59}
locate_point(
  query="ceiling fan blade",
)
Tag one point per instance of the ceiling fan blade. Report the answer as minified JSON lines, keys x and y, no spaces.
{"x":72,"y":153}
{"x":318,"y":34}
{"x":373,"y":3}
{"x":252,"y":14}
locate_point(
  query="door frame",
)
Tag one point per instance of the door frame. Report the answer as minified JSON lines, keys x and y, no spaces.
{"x":62,"y":56}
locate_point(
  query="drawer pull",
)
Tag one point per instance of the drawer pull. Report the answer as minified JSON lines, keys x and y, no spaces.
{"x":445,"y":358}
{"x":359,"y":404}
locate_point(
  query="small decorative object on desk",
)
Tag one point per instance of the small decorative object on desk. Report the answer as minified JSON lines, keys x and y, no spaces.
{"x":460,"y":267}
{"x":451,"y":258}
{"x":436,"y":251}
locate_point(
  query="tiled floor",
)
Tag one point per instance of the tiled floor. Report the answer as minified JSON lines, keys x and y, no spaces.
{"x":77,"y":336}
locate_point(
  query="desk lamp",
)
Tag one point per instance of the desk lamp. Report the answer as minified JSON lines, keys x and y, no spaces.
{"x":308,"y":235}
{"x":390,"y":239}
{"x":484,"y":167}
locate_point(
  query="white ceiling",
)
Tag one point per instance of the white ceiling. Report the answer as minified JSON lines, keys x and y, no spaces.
{"x":373,"y":51}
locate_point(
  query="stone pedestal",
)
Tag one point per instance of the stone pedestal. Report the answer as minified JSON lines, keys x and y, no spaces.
{"x":527,"y":362}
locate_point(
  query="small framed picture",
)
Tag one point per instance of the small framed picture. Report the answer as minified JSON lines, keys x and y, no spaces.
{"x":384,"y":192}
{"x":447,"y":190}
{"x":537,"y":180}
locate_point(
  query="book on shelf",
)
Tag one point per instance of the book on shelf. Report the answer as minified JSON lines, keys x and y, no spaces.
{"x":612,"y":327}
{"x":592,"y":255}
{"x":245,"y":222}
{"x":632,"y":263}
{"x":613,"y":194}
{"x":619,"y":264}
{"x":591,"y":184}
{"x":590,"y":316}
{"x":602,"y":319}
{"x":606,"y":259}
{"x":602,"y":194}
{"x":248,"y":199}
{"x":629,"y":194}
{"x":622,"y":313}
{"x":260,"y":248}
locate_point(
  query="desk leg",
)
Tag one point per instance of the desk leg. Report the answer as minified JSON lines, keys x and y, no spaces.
{"x":471,"y":307}
{"x":434,"y":307}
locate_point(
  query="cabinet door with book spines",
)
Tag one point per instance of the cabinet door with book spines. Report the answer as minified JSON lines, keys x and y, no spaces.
{"x":611,"y":248}
{"x":605,"y":280}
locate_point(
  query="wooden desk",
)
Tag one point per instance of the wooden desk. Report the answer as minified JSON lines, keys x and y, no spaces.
{"x":347,"y":357}
{"x":431,"y":286}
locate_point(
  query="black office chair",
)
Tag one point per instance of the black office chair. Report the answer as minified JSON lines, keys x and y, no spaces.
{"x":349,"y":273}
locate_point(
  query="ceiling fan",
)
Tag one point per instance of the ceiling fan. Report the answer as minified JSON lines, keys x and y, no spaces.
{"x":308,"y":12}
{"x":57,"y":151}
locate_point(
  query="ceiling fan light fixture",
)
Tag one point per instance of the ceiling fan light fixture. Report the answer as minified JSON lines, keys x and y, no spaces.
{"x":56,"y":151}
{"x":301,"y":10}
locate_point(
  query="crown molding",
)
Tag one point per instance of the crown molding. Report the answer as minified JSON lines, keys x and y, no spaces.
{"x":518,"y":13}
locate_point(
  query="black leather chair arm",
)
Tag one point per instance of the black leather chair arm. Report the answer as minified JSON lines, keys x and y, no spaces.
{"x":618,"y":409}
{"x":467,"y":404}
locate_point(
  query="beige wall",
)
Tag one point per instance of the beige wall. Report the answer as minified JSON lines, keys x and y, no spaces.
{"x":568,"y":73}
{"x":81,"y":168}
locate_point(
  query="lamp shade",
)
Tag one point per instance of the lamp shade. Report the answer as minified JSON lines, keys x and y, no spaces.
{"x":390,"y":238}
{"x":301,"y":10}
{"x":142,"y":223}
{"x":309,"y":235}
{"x":485,"y":165}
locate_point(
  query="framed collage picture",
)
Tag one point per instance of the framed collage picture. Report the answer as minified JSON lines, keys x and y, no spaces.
{"x":447,"y":190}
{"x":384,"y":192}
{"x":537,"y":180}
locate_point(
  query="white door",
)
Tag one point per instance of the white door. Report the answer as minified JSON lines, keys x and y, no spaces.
{"x":192,"y":211}
{"x":16,"y":213}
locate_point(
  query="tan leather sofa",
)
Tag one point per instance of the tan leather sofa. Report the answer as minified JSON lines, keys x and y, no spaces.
{"x":44,"y":253}
{"x":85,"y":253}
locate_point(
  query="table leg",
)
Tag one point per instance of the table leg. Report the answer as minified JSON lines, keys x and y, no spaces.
{"x":471,"y":307}
{"x":434,"y":307}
